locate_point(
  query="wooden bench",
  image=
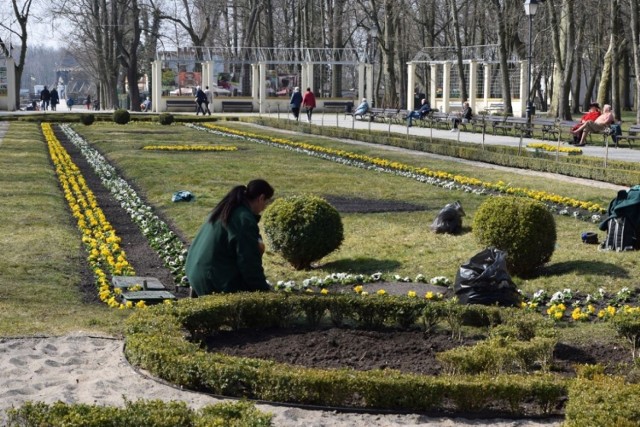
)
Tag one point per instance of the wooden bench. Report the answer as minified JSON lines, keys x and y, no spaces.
{"x":337,"y":106}
{"x":566,"y":125}
{"x":632,"y":134}
{"x":519,"y":125}
{"x":498,"y":123}
{"x":548,"y":127}
{"x":182,"y":104}
{"x":237,"y":106}
{"x":495,"y":107}
{"x":439,"y":119}
{"x":374,"y":113}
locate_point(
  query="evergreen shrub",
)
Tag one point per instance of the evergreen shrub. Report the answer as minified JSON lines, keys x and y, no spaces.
{"x":165,"y":118}
{"x":121,"y":116}
{"x":303,"y":229}
{"x":522,"y":228}
{"x":87,"y":119}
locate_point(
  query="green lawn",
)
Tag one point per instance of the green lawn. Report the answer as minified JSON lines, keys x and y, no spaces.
{"x":398,"y":243}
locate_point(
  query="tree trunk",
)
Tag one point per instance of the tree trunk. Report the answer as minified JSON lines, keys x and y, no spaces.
{"x":635,"y":31}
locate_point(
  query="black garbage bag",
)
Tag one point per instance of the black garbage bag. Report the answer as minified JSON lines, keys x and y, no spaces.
{"x":449,"y":219}
{"x":484,"y":279}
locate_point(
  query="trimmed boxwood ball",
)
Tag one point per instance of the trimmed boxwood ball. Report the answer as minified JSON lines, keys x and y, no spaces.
{"x":523,"y":228}
{"x":121,"y":116}
{"x":165,"y":118}
{"x":87,"y":119}
{"x":303,"y":229}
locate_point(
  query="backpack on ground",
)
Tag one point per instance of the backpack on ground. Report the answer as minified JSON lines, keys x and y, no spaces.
{"x":621,"y":235}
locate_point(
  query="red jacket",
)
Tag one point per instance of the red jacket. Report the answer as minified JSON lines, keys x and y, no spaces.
{"x":309,"y":100}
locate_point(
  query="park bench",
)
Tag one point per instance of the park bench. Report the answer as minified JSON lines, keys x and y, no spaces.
{"x":566,"y":126}
{"x":374,"y":113}
{"x":237,"y":106}
{"x":495,"y":107}
{"x":498,"y":123}
{"x":181,"y":104}
{"x":632,"y":134}
{"x":519,"y":125}
{"x":337,"y":106}
{"x":439,"y":119}
{"x":548,"y":127}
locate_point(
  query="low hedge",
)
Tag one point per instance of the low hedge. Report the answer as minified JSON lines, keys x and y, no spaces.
{"x":142,"y":413}
{"x":156,"y":341}
{"x":602,"y":401}
{"x":617,"y":172}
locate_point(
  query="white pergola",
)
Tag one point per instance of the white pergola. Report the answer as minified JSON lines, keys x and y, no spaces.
{"x":259,"y":59}
{"x":474,"y":56}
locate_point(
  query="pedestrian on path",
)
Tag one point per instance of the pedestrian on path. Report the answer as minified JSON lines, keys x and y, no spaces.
{"x":295,"y":103}
{"x":201,"y":99}
{"x":309,"y":103}
{"x":45,"y":97}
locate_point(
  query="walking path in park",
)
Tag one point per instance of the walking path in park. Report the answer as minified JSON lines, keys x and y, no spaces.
{"x":89,"y":369}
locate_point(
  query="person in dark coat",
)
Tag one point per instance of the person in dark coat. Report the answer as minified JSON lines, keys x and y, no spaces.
{"x":226,"y":254}
{"x":45,"y":97}
{"x":201,"y":100}
{"x":296,"y":102}
{"x":55,"y":99}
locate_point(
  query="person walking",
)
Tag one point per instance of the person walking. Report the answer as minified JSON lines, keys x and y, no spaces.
{"x":309,"y":103}
{"x":226,"y":254}
{"x":55,"y":99}
{"x":201,"y":99}
{"x":295,"y":103}
{"x":209,"y":96}
{"x":45,"y":97}
{"x":87,"y":101}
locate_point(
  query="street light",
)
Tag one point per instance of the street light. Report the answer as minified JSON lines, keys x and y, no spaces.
{"x":530,"y":9}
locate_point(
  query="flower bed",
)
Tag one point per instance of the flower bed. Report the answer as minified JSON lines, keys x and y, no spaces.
{"x":572,"y":151}
{"x":439,"y":178}
{"x":98,"y":236}
{"x":189,"y":148}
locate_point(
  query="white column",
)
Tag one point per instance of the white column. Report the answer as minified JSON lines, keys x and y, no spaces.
{"x":433,"y":83}
{"x":262,"y":102}
{"x":12,"y":102}
{"x":524,"y":90}
{"x":411,"y":82}
{"x":362,"y":70}
{"x":310,"y":81}
{"x":255,"y":81}
{"x":446,"y":85}
{"x":487,"y":84}
{"x":370,"y":83}
{"x":473,"y":83}
{"x":156,"y":87}
{"x":303,"y":76}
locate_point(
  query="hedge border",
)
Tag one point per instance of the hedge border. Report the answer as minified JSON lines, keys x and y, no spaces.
{"x":156,"y":340}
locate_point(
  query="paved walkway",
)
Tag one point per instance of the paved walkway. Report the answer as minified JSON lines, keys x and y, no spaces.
{"x":340,"y":120}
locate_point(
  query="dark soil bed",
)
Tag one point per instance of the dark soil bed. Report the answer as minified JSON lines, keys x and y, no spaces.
{"x":411,"y":352}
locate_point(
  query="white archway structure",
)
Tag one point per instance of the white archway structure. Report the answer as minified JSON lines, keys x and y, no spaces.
{"x":481,"y":63}
{"x":256,"y":61}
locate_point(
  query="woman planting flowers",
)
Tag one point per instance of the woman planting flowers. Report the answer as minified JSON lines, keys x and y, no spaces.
{"x":226,"y":254}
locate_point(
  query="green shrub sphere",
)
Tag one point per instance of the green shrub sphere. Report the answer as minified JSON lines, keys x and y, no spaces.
{"x":303,"y":229}
{"x":121,"y":116}
{"x":87,"y":119}
{"x":522,"y":228}
{"x":165,"y":118}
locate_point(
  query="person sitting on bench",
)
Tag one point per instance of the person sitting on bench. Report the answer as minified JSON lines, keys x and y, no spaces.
{"x":592,"y":114}
{"x":465,"y":117}
{"x":362,"y":108}
{"x":420,"y":113}
{"x":596,"y":126}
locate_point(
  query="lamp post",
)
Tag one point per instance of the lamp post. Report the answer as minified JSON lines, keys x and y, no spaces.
{"x":530,"y":9}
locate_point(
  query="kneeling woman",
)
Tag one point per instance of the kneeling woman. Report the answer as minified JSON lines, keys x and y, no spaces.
{"x":226,"y":254}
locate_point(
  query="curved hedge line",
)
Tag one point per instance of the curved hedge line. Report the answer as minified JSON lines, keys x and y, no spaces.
{"x":156,"y":340}
{"x":617,"y":172}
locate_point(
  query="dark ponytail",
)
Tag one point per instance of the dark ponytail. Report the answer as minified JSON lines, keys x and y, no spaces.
{"x":238,"y":196}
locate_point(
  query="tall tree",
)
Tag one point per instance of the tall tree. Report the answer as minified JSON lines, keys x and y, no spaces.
{"x":635,"y":32}
{"x":21,"y":14}
{"x":563,"y":39}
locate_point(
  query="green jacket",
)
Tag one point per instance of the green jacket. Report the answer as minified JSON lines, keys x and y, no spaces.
{"x":227,"y":259}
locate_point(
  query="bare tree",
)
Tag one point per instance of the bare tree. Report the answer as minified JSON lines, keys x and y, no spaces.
{"x":635,"y":31}
{"x":21,"y":13}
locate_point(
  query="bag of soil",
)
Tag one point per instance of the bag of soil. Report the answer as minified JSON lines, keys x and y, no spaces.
{"x":484,"y":280}
{"x":449,"y":219}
